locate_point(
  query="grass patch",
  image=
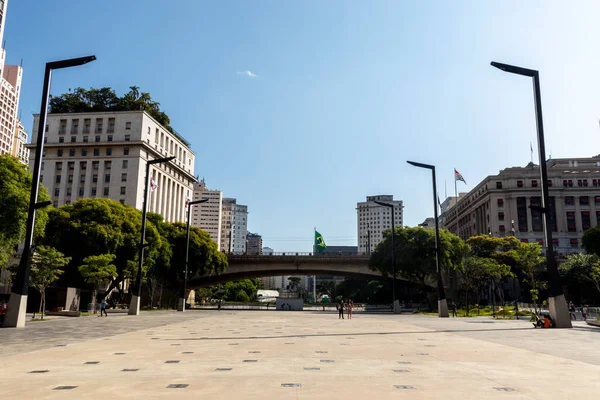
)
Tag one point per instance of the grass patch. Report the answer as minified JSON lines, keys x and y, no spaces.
{"x":507,"y":312}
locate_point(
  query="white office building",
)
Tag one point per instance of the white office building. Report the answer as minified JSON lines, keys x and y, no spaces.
{"x":234,"y":226}
{"x":104,"y":154}
{"x":20,"y":149}
{"x":373,"y":219}
{"x":207,"y":216}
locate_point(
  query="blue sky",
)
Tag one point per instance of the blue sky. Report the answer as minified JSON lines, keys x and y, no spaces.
{"x":345,"y":92}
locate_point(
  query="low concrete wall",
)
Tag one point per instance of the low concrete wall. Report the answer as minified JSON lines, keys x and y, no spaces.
{"x":64,"y":313}
{"x":289,"y":304}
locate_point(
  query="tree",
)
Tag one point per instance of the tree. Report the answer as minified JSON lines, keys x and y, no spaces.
{"x":46,"y":267}
{"x":294,"y":283}
{"x":98,"y":270}
{"x":15,"y":191}
{"x":591,"y":240}
{"x":243,"y":290}
{"x":582,"y":268}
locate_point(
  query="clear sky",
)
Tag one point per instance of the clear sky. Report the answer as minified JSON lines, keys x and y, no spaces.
{"x":339,"y":94}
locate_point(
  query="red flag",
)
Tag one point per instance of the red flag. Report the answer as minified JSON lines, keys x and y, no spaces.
{"x":458,"y":176}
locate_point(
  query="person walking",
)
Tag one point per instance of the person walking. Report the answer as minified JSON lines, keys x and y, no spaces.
{"x":584,"y":311}
{"x":350,"y":307}
{"x":453,"y":308}
{"x":103,"y":308}
{"x":572,"y":311}
{"x":341,"y":309}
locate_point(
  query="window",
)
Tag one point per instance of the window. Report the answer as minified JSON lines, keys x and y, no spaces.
{"x":73,"y":139}
{"x":125,"y":163}
{"x":83,"y":164}
{"x":498,"y":185}
{"x":109,"y":138}
{"x":156,"y":136}
{"x":107,"y":164}
{"x":522,"y":213}
{"x":56,"y":191}
{"x":42,"y":166}
{"x":82,"y":178}
{"x":579,"y":182}
{"x":519,"y":183}
{"x":81,"y":191}
{"x":126,"y":151}
{"x":128,"y":126}
{"x":84,"y":152}
{"x":47,"y":126}
{"x":106,"y":191}
{"x":107,"y":178}
{"x":58,"y":178}
{"x":585,"y":220}
{"x":549,"y":183}
{"x":573,"y":243}
{"x":122,"y":201}
{"x":540,"y":241}
{"x":500,"y":203}
{"x":585,"y":183}
{"x":99,"y":125}
{"x":502,"y":228}
{"x":597,"y":200}
{"x":111,"y":125}
{"x":61,"y":139}
{"x":571,"y":227}
{"x":501,"y":216}
{"x":569,"y":201}
{"x":524,"y":241}
{"x":565,"y":183}
{"x":123,"y":189}
{"x":534,"y":183}
{"x":59,"y":153}
{"x":70,"y":179}
{"x":555,"y":242}
{"x":123,"y":177}
{"x":595,"y":182}
{"x":58,"y":166}
{"x":63,"y":127}
{"x":87,"y":123}
{"x":584,"y":201}
{"x":95,"y":178}
{"x":72,"y":153}
{"x":75,"y":127}
{"x":69,"y":192}
{"x":127,"y":138}
{"x":97,"y":138}
{"x":108,"y":151}
{"x":95,"y":164}
{"x":96,"y":152}
{"x":71,"y":165}
{"x":93,"y":191}
{"x":86,"y":139}
{"x":570,"y":183}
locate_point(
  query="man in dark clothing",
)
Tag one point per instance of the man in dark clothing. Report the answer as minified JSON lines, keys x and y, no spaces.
{"x":341,"y":309}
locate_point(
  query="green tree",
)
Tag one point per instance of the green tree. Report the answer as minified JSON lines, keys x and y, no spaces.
{"x":47,"y":265}
{"x":590,"y":240}
{"x":582,"y":268}
{"x":243,"y":290}
{"x":15,"y":190}
{"x":293,"y":283}
{"x":98,"y":270}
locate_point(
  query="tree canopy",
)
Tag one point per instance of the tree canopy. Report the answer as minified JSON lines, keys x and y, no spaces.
{"x":47,"y":265}
{"x":15,"y":191}
{"x":580,"y":270}
{"x":591,"y":240}
{"x":105,"y":99}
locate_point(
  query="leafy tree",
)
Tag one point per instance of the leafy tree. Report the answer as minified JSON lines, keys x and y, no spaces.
{"x":98,"y":270}
{"x":46,"y":267}
{"x":326,"y":288}
{"x":591,"y":240}
{"x":582,"y":268}
{"x":294,"y":283}
{"x":15,"y":191}
{"x":243,"y":290}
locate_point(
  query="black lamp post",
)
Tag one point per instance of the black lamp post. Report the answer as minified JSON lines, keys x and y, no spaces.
{"x":181,"y":305}
{"x":557,"y":303}
{"x":17,"y":304}
{"x":442,"y":302}
{"x":136,"y":290}
{"x":391,"y":206}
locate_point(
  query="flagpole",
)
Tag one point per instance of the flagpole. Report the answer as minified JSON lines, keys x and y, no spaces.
{"x":455,"y":188}
{"x":314,"y":276}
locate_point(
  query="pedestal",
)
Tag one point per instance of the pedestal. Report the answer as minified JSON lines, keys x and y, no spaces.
{"x":559,"y":312}
{"x":181,"y":305}
{"x":443,"y":308}
{"x":16,"y":312}
{"x":134,"y":306}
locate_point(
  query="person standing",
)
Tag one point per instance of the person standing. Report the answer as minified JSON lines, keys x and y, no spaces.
{"x":350,"y":307}
{"x":341,"y":309}
{"x":453,"y":308}
{"x":103,"y":308}
{"x":584,"y":311}
{"x":572,"y":311}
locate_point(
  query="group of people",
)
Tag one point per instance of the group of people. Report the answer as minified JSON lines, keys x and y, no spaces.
{"x":573,"y":311}
{"x":341,"y":306}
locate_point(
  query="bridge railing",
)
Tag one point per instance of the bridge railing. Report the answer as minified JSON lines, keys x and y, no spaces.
{"x":298,"y":254}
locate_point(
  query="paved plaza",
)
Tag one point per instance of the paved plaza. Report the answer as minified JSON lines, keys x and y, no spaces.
{"x":296,"y":355}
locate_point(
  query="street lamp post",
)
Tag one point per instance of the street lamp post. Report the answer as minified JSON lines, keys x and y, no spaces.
{"x":17,"y":304}
{"x":136,"y":290}
{"x":391,"y":206}
{"x":556,"y":301}
{"x":181,"y":305}
{"x":442,"y":302}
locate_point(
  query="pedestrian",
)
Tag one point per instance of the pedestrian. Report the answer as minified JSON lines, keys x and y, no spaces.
{"x":572,"y":311}
{"x":340,"y":308}
{"x":103,"y":308}
{"x":584,"y":311}
{"x":350,"y":307}
{"x":453,"y":308}
{"x":3,"y":307}
{"x":219,"y":305}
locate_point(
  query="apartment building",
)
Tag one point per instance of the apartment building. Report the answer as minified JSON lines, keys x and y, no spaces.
{"x":19,"y":148}
{"x":253,"y":243}
{"x":234,"y":226}
{"x":373,"y":219}
{"x":500,"y":204}
{"x":207,"y":216}
{"x":104,"y":154}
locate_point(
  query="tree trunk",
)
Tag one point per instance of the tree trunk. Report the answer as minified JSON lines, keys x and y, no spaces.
{"x":41,"y":303}
{"x":94,"y":294}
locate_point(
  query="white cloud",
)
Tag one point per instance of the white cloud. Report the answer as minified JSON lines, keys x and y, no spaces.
{"x":247,"y":73}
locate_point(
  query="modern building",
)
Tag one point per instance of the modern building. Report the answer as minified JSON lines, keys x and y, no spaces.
{"x":207,"y":216}
{"x":234,"y":226}
{"x":428,"y":223}
{"x":253,"y":243}
{"x":500,"y":204}
{"x":373,"y":219}
{"x":19,"y":148}
{"x":10,"y":91}
{"x":104,"y":154}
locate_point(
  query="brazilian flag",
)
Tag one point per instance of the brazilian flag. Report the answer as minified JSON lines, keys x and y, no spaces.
{"x":319,"y":242}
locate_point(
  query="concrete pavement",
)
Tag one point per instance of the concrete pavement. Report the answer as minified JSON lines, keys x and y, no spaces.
{"x":296,"y":355}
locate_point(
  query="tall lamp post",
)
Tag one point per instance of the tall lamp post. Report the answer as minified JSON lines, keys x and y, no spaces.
{"x":442,"y":302}
{"x":556,"y":301}
{"x":136,"y":292}
{"x":391,"y":206}
{"x":17,"y":304}
{"x":181,"y":305}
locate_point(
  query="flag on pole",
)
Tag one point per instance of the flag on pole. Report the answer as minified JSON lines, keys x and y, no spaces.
{"x":319,"y":242}
{"x":153,"y":185}
{"x":439,"y":202}
{"x":187,"y":202}
{"x":458,"y":177}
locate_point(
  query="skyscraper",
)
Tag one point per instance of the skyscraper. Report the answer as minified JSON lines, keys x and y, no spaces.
{"x":234,"y":226}
{"x":207,"y":216}
{"x":372,"y":219}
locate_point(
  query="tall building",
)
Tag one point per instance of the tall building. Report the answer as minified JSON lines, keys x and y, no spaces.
{"x":253,"y":243}
{"x":207,"y":216}
{"x":373,"y":219}
{"x":104,"y":154}
{"x":234,"y":226}
{"x":500,"y":204}
{"x":10,"y":91}
{"x":19,"y":148}
{"x":428,"y":223}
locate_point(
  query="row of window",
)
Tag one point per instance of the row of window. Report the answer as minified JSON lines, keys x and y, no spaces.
{"x":566,"y":183}
{"x":569,"y":201}
{"x":94,"y":191}
{"x":586,"y":222}
{"x":87,"y":125}
{"x":83,"y":165}
{"x":96,"y":152}
{"x":58,"y":178}
{"x":86,"y":139}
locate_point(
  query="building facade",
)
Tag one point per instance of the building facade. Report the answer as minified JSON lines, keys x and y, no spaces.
{"x":207,"y":216}
{"x":20,"y":149}
{"x":10,"y":91}
{"x":500,"y":204}
{"x":104,"y":154}
{"x":428,"y":223}
{"x":373,"y":219}
{"x":234,"y":226}
{"x":253,"y":243}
